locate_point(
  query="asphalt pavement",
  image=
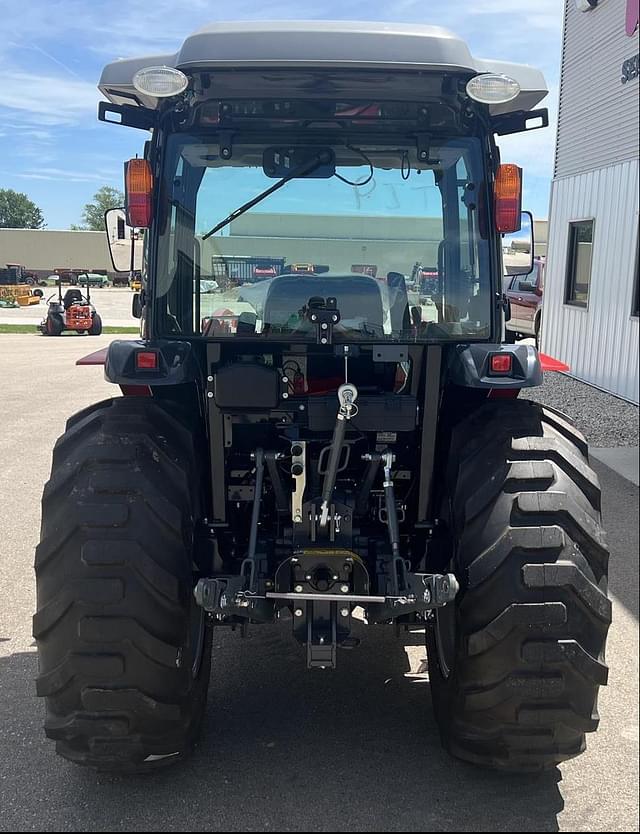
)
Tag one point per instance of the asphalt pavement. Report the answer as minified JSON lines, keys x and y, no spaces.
{"x":113,"y":304}
{"x":284,"y":749}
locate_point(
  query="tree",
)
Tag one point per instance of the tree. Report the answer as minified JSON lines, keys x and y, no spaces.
{"x":17,"y":211}
{"x":103,"y":200}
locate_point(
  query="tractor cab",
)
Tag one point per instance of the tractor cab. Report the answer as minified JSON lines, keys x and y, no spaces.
{"x":287,"y":166}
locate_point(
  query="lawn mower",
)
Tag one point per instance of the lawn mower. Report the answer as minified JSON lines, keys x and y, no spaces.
{"x":73,"y":311}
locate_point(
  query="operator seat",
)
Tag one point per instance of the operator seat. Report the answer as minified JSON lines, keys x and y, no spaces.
{"x":358,"y":296}
{"x":71,"y":297}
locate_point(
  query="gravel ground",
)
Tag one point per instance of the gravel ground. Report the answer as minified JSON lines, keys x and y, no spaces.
{"x":605,"y":420}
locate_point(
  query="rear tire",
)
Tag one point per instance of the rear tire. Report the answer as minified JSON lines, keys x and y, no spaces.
{"x":124,"y":652}
{"x":537,"y":329}
{"x":54,"y":325}
{"x":96,"y":326}
{"x":516,"y":663}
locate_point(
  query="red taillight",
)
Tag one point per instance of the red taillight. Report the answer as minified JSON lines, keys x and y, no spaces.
{"x":501,"y":363}
{"x":146,"y":360}
{"x":508,"y":199}
{"x":138,"y":181}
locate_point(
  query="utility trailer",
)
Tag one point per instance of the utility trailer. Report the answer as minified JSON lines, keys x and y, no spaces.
{"x":346,"y":443}
{"x":16,"y":286}
{"x":233,"y":270}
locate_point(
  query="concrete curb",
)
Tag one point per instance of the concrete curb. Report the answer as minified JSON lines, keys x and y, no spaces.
{"x":625,"y":460}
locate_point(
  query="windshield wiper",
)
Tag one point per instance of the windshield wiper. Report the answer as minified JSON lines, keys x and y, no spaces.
{"x":310,"y":165}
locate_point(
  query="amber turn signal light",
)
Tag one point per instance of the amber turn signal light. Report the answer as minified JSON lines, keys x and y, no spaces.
{"x":138,"y":181}
{"x":508,"y":199}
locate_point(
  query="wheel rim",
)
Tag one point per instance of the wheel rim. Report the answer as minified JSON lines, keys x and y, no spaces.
{"x":445,"y":633}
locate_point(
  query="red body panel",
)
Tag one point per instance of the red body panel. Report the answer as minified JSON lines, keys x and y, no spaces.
{"x":550,"y":364}
{"x":98,"y":357}
{"x":78,"y":317}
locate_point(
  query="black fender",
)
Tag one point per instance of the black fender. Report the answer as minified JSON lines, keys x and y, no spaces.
{"x":176,"y":363}
{"x":469,"y":367}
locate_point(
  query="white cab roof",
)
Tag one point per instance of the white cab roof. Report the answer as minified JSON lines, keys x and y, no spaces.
{"x":323,"y":45}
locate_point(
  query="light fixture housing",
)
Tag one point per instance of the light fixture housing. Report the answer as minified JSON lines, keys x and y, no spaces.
{"x":508,"y":199}
{"x":138,"y":193}
{"x":586,"y":5}
{"x":491,"y":88}
{"x":160,"y":82}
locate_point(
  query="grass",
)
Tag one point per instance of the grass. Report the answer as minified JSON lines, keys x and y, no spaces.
{"x":33,"y":328}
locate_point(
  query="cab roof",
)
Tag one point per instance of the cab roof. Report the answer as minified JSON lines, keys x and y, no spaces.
{"x":336,"y":45}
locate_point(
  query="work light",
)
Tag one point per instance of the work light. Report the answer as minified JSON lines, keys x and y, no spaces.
{"x":160,"y":82}
{"x":493,"y":89}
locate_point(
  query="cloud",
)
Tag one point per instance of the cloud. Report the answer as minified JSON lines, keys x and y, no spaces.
{"x":541,"y":14}
{"x":46,"y":100}
{"x":52,"y":53}
{"x":67,"y":175}
{"x":536,"y":149}
{"x":138,"y":27}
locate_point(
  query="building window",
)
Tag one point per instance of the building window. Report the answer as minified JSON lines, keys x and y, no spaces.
{"x":579,"y":263}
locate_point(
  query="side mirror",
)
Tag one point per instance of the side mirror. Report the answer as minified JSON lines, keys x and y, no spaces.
{"x":125,"y":242}
{"x":136,"y":305}
{"x":518,"y":248}
{"x":507,"y":309}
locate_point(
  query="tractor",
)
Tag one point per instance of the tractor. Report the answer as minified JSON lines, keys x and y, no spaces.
{"x":329,"y":448}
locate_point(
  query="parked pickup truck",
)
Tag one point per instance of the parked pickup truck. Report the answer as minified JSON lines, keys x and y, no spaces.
{"x":524,"y":295}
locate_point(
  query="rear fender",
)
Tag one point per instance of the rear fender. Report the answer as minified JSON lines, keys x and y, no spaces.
{"x":176,"y":364}
{"x":469,"y":367}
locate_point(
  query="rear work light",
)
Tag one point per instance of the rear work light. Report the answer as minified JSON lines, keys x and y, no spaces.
{"x":501,"y":364}
{"x":490,"y":88}
{"x":146,"y":360}
{"x":508,"y":199}
{"x":138,"y":181}
{"x":160,"y":82}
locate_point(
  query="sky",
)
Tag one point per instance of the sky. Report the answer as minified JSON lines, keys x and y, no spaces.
{"x":52,"y":52}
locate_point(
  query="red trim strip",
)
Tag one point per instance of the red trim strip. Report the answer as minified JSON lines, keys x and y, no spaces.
{"x":550,"y":364}
{"x":99,"y":357}
{"x":136,"y":390}
{"x":504,"y":393}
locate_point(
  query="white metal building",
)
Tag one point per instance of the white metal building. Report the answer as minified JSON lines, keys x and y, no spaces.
{"x":592,"y":293}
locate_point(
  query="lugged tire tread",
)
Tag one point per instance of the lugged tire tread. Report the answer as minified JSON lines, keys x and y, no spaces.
{"x":533,"y":612}
{"x":114,"y":581}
